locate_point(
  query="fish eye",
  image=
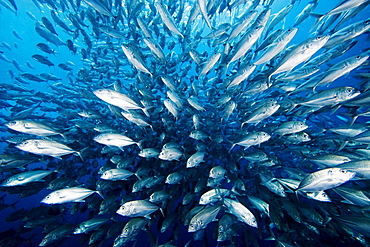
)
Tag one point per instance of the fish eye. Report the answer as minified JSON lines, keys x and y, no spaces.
{"x":343,"y":171}
{"x":201,"y":223}
{"x":126,"y":230}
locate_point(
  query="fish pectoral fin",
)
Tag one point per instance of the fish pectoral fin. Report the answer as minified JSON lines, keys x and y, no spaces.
{"x":79,"y":201}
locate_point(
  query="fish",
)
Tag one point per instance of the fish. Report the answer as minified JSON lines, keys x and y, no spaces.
{"x":45,"y":147}
{"x":252,"y":139}
{"x":48,"y":25}
{"x":262,"y":112}
{"x":45,"y":48}
{"x":73,"y":194}
{"x":291,"y":127}
{"x":116,"y":174}
{"x":240,"y":211}
{"x":137,"y":208}
{"x":300,"y":53}
{"x":117,"y":99}
{"x":25,"y":178}
{"x":47,"y":35}
{"x":331,"y":97}
{"x":42,"y":59}
{"x":325,"y":179}
{"x":89,"y":225}
{"x":135,"y":58}
{"x":32,"y":127}
{"x":167,"y":18}
{"x":32,"y":77}
{"x":170,"y":154}
{"x":203,"y":218}
{"x":99,"y":7}
{"x":117,"y":140}
{"x":241,"y":111}
{"x":57,"y":234}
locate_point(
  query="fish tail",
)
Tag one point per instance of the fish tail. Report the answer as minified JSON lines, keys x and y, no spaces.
{"x":80,"y":154}
{"x":318,"y":18}
{"x":353,"y":120}
{"x":100,"y":194}
{"x":64,"y":137}
{"x":344,"y":143}
{"x":296,"y":194}
{"x":139,"y":144}
{"x":232,"y":147}
{"x":162,"y":212}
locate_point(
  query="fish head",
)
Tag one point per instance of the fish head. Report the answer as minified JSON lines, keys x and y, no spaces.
{"x":250,"y":220}
{"x":107,"y":175}
{"x":125,"y":232}
{"x":14,"y":125}
{"x":348,"y":93}
{"x":98,"y":138}
{"x":203,"y":201}
{"x":195,"y":225}
{"x":344,"y":175}
{"x":27,"y":145}
{"x":9,"y":182}
{"x":102,"y":93}
{"x":51,"y":198}
{"x":46,"y":240}
{"x":263,"y":136}
{"x":163,"y":155}
{"x":79,"y":230}
{"x":320,"y":40}
{"x":124,"y":210}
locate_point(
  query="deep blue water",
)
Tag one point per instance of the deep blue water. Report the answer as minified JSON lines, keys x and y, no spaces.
{"x":22,"y":50}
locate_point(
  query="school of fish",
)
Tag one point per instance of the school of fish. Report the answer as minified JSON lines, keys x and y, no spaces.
{"x":189,"y":123}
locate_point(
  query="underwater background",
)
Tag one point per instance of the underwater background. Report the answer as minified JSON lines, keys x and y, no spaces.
{"x":63,"y":95}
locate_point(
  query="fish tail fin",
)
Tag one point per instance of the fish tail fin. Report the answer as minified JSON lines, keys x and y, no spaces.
{"x":139,"y":144}
{"x":241,"y":126}
{"x":100,"y":194}
{"x":232,"y":147}
{"x":137,"y":176}
{"x":353,"y":120}
{"x":145,"y":110}
{"x":233,"y":190}
{"x":318,"y":18}
{"x":80,"y":154}
{"x":162,"y":212}
{"x":269,"y":84}
{"x":296,"y":194}
{"x":64,"y":137}
{"x":344,"y":143}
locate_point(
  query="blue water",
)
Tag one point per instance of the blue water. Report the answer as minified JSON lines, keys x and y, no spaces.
{"x":22,"y":51}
